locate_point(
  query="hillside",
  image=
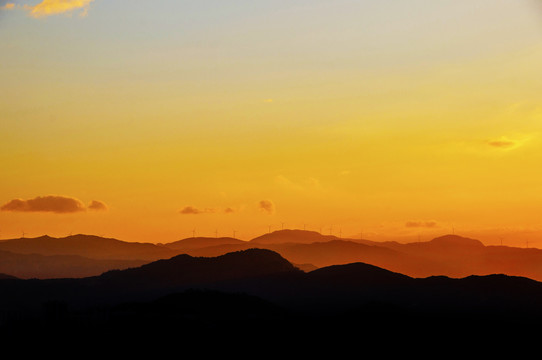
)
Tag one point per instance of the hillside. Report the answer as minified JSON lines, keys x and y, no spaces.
{"x":88,"y":246}
{"x":260,"y":292}
{"x":28,"y":266}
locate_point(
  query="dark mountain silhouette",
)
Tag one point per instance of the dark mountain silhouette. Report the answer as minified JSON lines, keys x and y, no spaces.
{"x":27,"y":266}
{"x":88,"y":246}
{"x":259,"y":295}
{"x":159,"y":277}
{"x":6,"y":276}
{"x":185,"y":270}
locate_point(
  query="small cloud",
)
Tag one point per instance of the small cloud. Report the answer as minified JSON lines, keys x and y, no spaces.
{"x":267,"y":206}
{"x":421,"y":224}
{"x":55,"y":7}
{"x":503,"y":143}
{"x":50,"y":203}
{"x":190,"y":210}
{"x":345,"y":173}
{"x":97,"y":205}
{"x":268,"y":100}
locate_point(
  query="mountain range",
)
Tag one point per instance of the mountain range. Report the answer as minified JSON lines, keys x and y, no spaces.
{"x":258,"y":294}
{"x":449,"y":255}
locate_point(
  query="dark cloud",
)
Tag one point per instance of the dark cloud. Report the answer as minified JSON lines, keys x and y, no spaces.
{"x":229,"y":210}
{"x":421,"y":224}
{"x":267,"y":206}
{"x":51,"y":203}
{"x":190,"y":210}
{"x":97,"y":205}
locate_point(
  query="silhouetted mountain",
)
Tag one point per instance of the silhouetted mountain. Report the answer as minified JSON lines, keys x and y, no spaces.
{"x":292,"y":236}
{"x":27,"y":266}
{"x":185,"y":270}
{"x":89,"y":246}
{"x":448,"y":255}
{"x":258,"y":294}
{"x":6,"y":276}
{"x":201,"y":242}
{"x":334,"y":252}
{"x":150,"y":280}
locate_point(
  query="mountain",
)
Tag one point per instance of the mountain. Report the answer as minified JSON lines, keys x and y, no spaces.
{"x":292,"y":236}
{"x":258,"y":294}
{"x":202,"y":242}
{"x":159,"y":277}
{"x":89,"y":246}
{"x":185,"y":270}
{"x":448,"y":255}
{"x":27,"y":266}
{"x":7,"y":277}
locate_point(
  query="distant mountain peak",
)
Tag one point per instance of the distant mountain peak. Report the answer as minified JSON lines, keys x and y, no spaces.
{"x":294,"y":236}
{"x":456,"y":240}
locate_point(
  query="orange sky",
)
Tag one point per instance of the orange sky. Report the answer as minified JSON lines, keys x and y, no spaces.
{"x":398,"y":120}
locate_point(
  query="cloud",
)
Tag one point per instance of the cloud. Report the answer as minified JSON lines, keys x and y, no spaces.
{"x":421,"y":224}
{"x":503,"y":143}
{"x":51,"y":203}
{"x":97,"y":205}
{"x":267,"y":206}
{"x":55,"y":7}
{"x":191,"y":210}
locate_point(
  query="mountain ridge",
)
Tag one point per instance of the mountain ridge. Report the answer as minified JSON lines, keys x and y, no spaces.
{"x":265,"y":299}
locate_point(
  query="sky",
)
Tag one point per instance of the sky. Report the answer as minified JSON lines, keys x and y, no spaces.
{"x":156,"y":121}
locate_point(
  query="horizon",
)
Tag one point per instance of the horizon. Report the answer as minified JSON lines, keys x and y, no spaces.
{"x":383,"y":120}
{"x":343,"y":238}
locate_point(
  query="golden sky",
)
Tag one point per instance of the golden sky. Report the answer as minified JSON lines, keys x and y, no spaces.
{"x":146,"y":121}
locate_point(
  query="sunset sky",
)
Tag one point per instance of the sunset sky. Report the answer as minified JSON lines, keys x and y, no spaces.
{"x":152,"y":120}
